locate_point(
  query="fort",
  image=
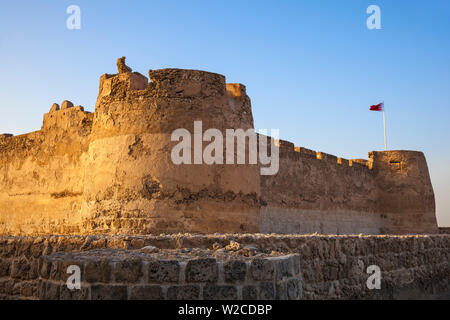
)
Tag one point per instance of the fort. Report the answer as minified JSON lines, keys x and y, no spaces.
{"x":105,"y":181}
{"x":110,"y":171}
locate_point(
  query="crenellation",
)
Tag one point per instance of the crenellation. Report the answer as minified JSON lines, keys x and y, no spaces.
{"x":236,"y":90}
{"x":357,"y":164}
{"x":54,"y":108}
{"x":343,"y":162}
{"x":286,"y":148}
{"x":325,"y":156}
{"x":306,"y":152}
{"x":361,"y":161}
{"x":66,"y":104}
{"x":68,"y":118}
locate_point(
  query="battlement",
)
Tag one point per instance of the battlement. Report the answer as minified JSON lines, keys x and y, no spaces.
{"x":288,"y":150}
{"x":111,"y":171}
{"x":67,"y":118}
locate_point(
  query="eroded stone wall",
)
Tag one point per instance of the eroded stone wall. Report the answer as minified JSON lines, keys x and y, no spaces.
{"x":42,"y":175}
{"x":281,"y":267}
{"x":317,"y":192}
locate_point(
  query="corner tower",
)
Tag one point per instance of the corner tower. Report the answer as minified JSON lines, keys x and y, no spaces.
{"x":405,"y":193}
{"x":132,"y":185}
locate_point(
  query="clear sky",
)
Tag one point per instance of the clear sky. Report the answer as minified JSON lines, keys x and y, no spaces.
{"x":312,"y":68}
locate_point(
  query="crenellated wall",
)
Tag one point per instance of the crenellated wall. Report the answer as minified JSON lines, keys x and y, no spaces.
{"x":111,"y":171}
{"x":318,"y":192}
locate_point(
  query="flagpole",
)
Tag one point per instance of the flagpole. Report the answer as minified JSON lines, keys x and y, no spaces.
{"x":384,"y":123}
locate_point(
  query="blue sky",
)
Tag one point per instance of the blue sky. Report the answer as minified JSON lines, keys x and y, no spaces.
{"x":312,"y":68}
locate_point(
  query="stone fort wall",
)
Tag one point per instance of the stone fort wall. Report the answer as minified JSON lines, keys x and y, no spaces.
{"x":303,"y":267}
{"x":110,"y":171}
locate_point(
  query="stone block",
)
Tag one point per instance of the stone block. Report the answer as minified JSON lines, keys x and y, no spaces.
{"x":21,"y":269}
{"x":284,"y":268}
{"x":4,"y":267}
{"x":163,"y":271}
{"x":129,"y":270}
{"x":235,"y":271}
{"x":66,"y":104}
{"x":29,"y":288}
{"x":249,"y":293}
{"x":73,"y":294}
{"x":201,"y":270}
{"x":45,"y":267}
{"x":109,"y":292}
{"x":48,"y":290}
{"x":6,"y":286}
{"x":266,"y":291}
{"x":294,"y":289}
{"x":281,"y":291}
{"x":188,"y":292}
{"x":97,"y":271}
{"x":217,"y":292}
{"x":262,"y":269}
{"x":147,"y":292}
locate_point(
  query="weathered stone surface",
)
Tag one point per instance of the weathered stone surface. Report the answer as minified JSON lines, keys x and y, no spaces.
{"x":266,"y":291}
{"x":201,"y":270}
{"x":262,"y":269}
{"x":284,"y":268}
{"x":163,"y":271}
{"x":4,"y":267}
{"x":148,"y":292}
{"x":129,"y":270}
{"x":97,"y":271}
{"x":22,"y":269}
{"x":73,"y":294}
{"x":235,"y":271}
{"x":109,"y":292}
{"x":55,"y":107}
{"x":294,"y":289}
{"x":249,"y":293}
{"x":48,"y":290}
{"x":219,"y":292}
{"x":331,"y":267}
{"x":186,"y":292}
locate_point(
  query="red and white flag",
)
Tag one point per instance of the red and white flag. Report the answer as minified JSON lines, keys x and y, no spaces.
{"x":377,"y":107}
{"x":380,"y":107}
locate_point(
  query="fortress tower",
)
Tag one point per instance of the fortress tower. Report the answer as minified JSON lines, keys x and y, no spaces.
{"x":111,"y":171}
{"x":131,"y":183}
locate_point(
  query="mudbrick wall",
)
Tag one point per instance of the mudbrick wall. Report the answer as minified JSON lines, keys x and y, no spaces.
{"x":110,"y":172}
{"x":239,"y":266}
